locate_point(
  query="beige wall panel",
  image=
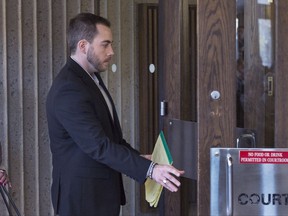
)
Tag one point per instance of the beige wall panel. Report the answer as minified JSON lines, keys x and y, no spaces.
{"x":15,"y":101}
{"x":32,"y":51}
{"x":45,"y":69}
{"x":30,"y":108}
{"x":88,"y":6}
{"x":57,"y":32}
{"x":3,"y":91}
{"x":127,"y":86}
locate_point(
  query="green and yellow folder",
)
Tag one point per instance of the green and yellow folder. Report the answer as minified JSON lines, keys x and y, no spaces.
{"x":161,"y":155}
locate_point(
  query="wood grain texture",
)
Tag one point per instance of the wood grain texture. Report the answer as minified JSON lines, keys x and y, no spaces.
{"x":216,"y":71}
{"x":281,"y":65}
{"x":171,"y":64}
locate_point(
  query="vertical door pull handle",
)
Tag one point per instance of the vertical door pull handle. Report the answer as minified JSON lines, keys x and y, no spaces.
{"x":229,"y":186}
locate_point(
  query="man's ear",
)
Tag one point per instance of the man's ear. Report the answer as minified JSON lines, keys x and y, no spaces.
{"x":83,"y":46}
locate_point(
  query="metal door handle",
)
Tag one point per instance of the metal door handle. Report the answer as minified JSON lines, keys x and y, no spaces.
{"x":250,"y":136}
{"x":229,"y":188}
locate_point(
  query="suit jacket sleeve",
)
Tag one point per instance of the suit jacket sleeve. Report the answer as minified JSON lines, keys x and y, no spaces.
{"x":86,"y":122}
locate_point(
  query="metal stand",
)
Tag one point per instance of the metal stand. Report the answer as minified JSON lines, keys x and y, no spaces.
{"x":5,"y":195}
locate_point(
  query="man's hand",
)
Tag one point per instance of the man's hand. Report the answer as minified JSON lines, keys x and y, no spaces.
{"x":166,"y":176}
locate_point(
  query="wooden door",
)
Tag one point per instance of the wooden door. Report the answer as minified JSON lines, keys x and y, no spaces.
{"x":216,"y":60}
{"x":265,"y":83}
{"x":281,"y":75}
{"x":216,"y":72}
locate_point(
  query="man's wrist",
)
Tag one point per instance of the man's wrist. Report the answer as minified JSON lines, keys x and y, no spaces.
{"x":150,"y":170}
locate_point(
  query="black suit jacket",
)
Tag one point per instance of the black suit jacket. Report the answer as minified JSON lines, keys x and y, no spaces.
{"x":88,"y":150}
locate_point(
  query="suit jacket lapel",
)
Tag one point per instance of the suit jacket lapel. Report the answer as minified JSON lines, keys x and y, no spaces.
{"x":116,"y":120}
{"x":90,"y":83}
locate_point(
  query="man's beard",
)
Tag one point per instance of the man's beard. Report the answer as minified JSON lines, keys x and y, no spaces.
{"x":94,"y":61}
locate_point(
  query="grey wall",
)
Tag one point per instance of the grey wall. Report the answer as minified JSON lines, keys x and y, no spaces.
{"x":32,"y":50}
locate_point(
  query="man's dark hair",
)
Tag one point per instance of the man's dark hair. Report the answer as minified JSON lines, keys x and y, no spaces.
{"x":83,"y":26}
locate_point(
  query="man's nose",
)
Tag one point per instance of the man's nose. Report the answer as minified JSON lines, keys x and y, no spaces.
{"x":111,"y":51}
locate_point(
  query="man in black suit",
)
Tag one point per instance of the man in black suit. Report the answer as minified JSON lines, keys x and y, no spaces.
{"x":88,"y":150}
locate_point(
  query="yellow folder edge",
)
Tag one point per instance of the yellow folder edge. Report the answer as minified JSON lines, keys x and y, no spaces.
{"x":169,"y":156}
{"x":161,"y":154}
